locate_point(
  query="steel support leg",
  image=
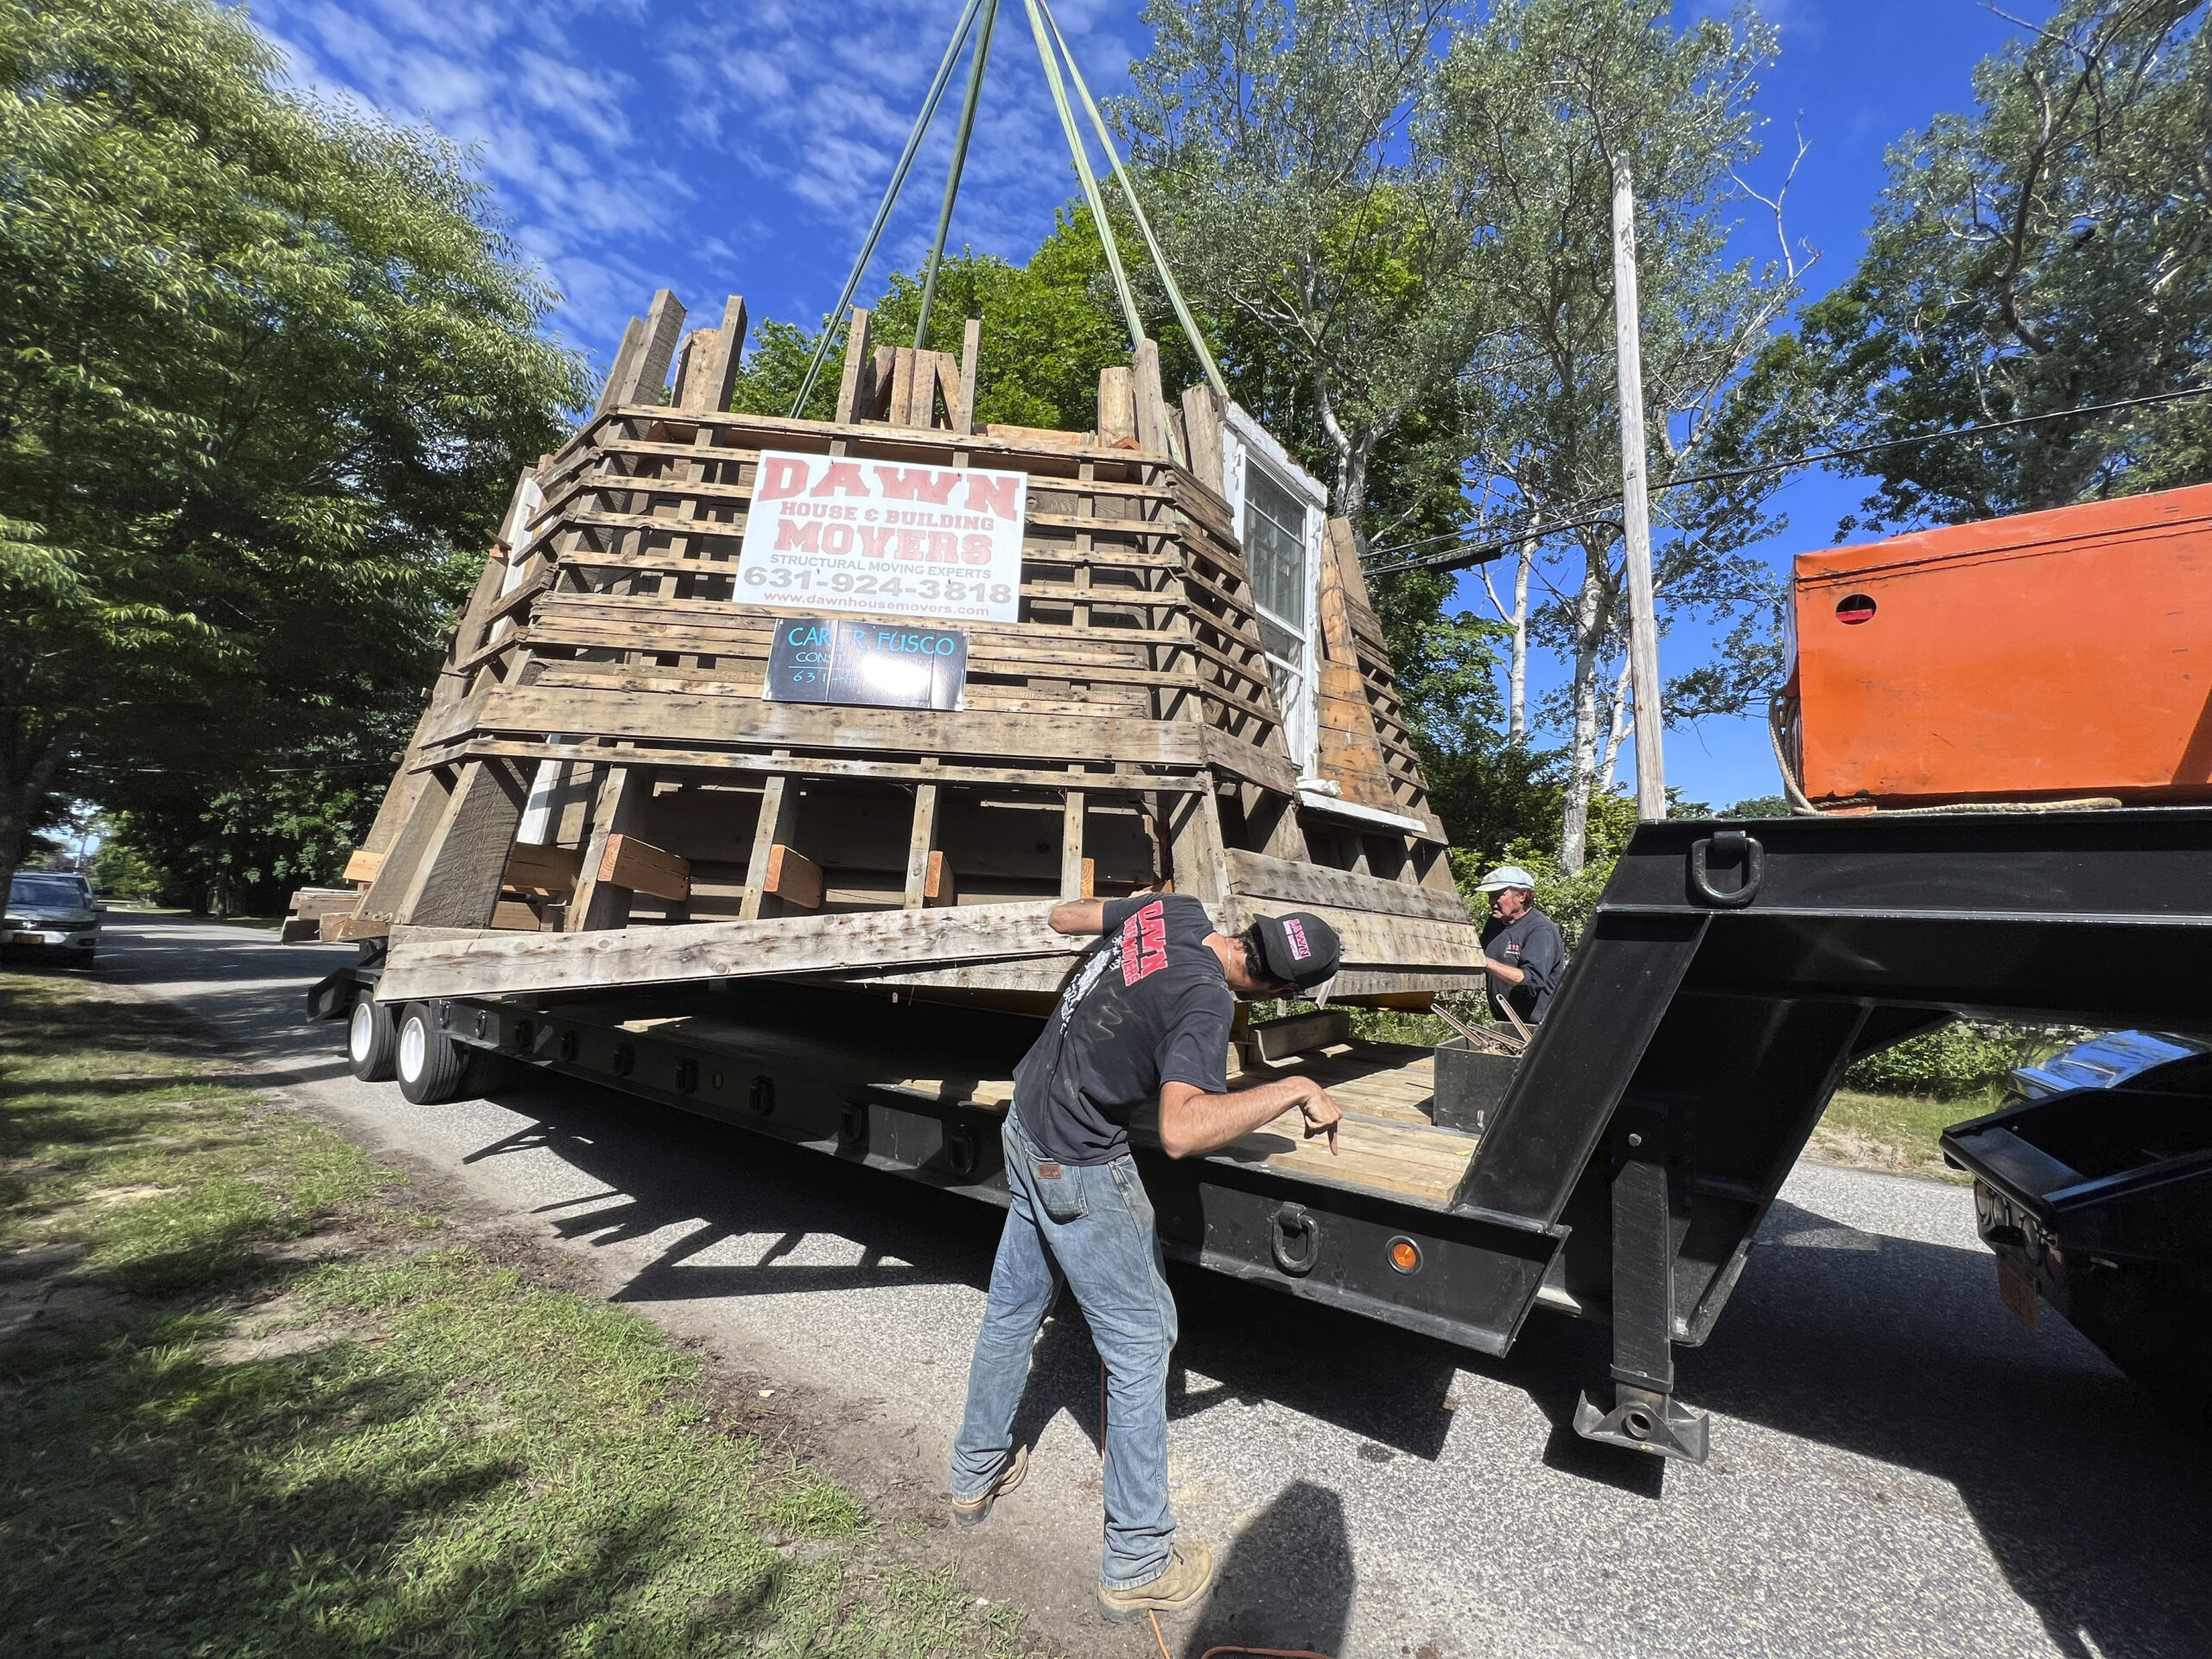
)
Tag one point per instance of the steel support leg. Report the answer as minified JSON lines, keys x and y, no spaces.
{"x":1646,"y":1416}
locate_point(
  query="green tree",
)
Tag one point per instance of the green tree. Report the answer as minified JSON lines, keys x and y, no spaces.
{"x":1049,"y":326}
{"x":1290,"y":157}
{"x":1538,"y":104}
{"x":2051,"y":249}
{"x":268,"y":373}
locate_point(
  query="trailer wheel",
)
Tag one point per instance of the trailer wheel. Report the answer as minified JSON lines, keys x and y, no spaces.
{"x":432,"y":1067}
{"x":371,"y":1036}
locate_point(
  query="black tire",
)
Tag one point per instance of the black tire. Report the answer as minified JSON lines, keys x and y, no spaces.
{"x":371,"y":1037}
{"x":433,"y":1068}
{"x":83,"y":958}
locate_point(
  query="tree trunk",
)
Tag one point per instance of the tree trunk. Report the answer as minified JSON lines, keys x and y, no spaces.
{"x":1592,"y":614}
{"x":30,"y":757}
{"x":1619,"y":723}
{"x":1517,"y":673}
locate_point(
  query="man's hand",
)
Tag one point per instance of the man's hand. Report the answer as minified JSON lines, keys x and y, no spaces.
{"x":1504,"y":971}
{"x":1193,"y":1123}
{"x":1322,"y":1114}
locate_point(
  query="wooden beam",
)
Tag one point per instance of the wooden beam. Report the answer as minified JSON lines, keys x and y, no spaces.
{"x":457,"y":883}
{"x":921,"y":847}
{"x":1073,"y":880}
{"x":364,"y":865}
{"x":1202,"y":425}
{"x":948,"y":387}
{"x":643,"y":868}
{"x":512,"y":915}
{"x":625,"y":367}
{"x":711,"y":367}
{"x":793,"y":877}
{"x":909,"y":387}
{"x":551,"y":872}
{"x":971,"y":354}
{"x":778,"y":817}
{"x":1251,"y":875}
{"x":623,"y":792}
{"x":641,"y":378}
{"x":1117,"y":408}
{"x":1154,"y":436}
{"x":485,"y":964}
{"x":857,"y":389}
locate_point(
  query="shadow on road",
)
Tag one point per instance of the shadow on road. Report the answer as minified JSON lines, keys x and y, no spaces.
{"x":2091,"y":1500}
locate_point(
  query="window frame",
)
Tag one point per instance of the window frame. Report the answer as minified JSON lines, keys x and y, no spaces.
{"x":1246,"y":444}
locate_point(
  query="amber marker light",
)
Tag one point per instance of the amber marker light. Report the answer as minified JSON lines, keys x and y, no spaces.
{"x":1405,"y":1255}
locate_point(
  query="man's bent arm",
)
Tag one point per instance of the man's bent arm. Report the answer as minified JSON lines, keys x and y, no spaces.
{"x":1079,"y":916}
{"x":1193,"y":1123}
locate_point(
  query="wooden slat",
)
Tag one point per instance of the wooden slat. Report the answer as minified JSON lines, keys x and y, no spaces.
{"x":1299,"y":883}
{"x":488,"y":965}
{"x":364,"y":865}
{"x":831,"y":765}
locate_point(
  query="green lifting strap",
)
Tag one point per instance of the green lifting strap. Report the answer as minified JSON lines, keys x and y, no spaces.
{"x":890,"y":196}
{"x":1091,"y":190}
{"x":1144,"y":225}
{"x":959,"y":161}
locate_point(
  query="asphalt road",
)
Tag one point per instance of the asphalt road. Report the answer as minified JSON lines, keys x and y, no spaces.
{"x":1898,"y":1468}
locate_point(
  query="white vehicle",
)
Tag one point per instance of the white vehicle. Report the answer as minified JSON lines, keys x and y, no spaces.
{"x":52,"y":912}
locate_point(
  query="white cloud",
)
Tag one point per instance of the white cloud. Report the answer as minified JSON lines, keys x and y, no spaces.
{"x":706,"y":145}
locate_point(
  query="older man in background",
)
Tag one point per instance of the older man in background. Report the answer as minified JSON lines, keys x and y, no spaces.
{"x":1522,"y":946}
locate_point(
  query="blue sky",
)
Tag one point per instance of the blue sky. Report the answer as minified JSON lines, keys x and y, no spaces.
{"x":740,"y":147}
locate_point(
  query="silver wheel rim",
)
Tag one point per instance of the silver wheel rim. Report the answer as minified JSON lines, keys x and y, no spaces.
{"x":360,"y":1031}
{"x":414,"y":1047}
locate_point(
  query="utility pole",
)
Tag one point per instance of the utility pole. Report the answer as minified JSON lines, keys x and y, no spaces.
{"x":1636,"y":509}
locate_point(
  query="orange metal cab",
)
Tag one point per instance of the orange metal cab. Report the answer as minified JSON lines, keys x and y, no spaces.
{"x":2033,"y":658}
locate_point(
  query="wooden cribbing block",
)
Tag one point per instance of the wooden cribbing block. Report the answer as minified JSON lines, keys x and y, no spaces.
{"x":550,"y":871}
{"x":514,"y":913}
{"x":939,"y":888}
{"x":643,"y":868}
{"x":364,"y":865}
{"x":793,"y":877}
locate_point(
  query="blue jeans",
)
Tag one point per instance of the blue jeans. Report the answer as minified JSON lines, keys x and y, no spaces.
{"x":1091,"y":1226}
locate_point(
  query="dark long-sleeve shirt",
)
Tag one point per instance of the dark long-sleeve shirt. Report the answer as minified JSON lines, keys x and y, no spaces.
{"x":1533,"y":945}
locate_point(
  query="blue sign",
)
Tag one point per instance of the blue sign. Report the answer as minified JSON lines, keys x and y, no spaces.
{"x":882,"y":664}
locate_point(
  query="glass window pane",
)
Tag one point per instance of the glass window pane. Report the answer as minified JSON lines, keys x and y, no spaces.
{"x":1275,"y":545}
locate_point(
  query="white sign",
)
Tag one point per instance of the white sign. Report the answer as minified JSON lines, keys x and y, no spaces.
{"x":829,"y":534}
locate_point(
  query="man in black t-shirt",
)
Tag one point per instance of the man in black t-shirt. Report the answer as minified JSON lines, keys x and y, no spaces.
{"x":1144,"y":1015}
{"x":1523,"y":952}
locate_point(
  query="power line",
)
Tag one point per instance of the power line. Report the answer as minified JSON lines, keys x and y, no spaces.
{"x":1470,"y":554}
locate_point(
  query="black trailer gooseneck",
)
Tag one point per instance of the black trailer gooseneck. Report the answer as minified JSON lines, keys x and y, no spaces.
{"x":1731,"y":973}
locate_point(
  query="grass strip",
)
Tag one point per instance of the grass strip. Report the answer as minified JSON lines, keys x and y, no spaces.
{"x":1895,"y":1132}
{"x":255,"y":1402}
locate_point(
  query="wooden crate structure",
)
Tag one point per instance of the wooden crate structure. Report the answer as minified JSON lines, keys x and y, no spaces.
{"x":599,"y":793}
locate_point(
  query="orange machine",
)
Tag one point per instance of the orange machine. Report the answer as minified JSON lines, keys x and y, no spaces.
{"x":2035,"y":657}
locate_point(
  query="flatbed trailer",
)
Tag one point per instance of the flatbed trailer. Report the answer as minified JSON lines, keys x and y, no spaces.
{"x":1731,"y":974}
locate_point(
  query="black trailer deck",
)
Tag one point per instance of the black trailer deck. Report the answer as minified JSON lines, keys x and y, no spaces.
{"x":1731,"y":974}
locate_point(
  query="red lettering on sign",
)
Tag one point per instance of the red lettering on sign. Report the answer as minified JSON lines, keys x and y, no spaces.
{"x":780,"y":476}
{"x":994,"y":494}
{"x":974,"y":549}
{"x":1144,"y":943}
{"x":944,"y":547}
{"x":798,"y":538}
{"x":916,"y":484}
{"x":875,"y":540}
{"x":843,"y":478}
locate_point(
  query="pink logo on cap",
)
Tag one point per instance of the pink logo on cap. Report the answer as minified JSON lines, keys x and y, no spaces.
{"x":1299,"y":949}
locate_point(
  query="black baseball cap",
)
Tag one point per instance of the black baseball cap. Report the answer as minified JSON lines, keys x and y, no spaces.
{"x":1300,"y":948}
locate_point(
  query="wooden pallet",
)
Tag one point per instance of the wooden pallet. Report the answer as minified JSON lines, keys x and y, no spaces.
{"x":597,"y":757}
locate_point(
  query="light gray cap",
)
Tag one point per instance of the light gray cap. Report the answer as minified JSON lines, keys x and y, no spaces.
{"x":1504,"y":876}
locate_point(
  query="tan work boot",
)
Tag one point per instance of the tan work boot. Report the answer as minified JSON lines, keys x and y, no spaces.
{"x":967,"y":1511}
{"x":1189,"y":1575}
